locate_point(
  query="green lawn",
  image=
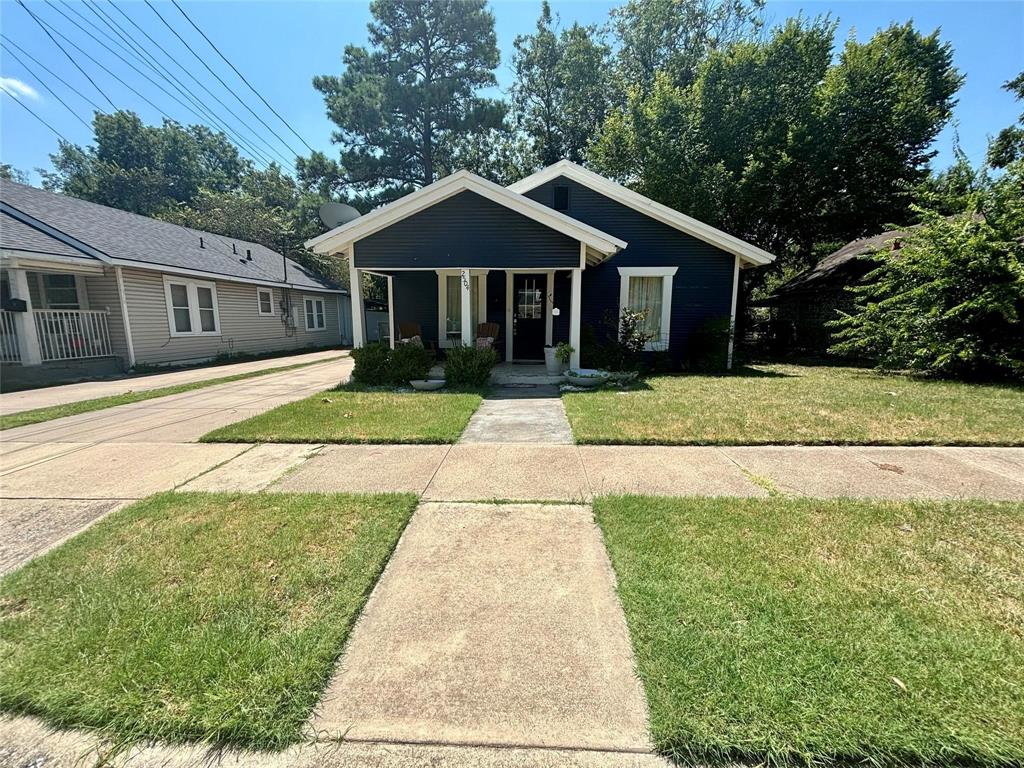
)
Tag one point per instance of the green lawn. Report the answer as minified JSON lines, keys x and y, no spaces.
{"x":351,"y":414}
{"x":195,"y":616}
{"x":791,"y":404}
{"x":23,"y":418}
{"x":805,"y":631}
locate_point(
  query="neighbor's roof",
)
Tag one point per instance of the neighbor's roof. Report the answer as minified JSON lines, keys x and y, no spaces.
{"x":15,"y":235}
{"x":835,"y":261}
{"x":113,"y":236}
{"x":340,"y":238}
{"x":673,"y":218}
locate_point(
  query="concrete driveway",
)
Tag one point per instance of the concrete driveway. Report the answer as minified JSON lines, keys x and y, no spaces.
{"x":14,"y":402}
{"x":58,"y":476}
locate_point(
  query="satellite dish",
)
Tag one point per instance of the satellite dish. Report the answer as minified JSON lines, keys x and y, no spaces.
{"x":335,"y":214}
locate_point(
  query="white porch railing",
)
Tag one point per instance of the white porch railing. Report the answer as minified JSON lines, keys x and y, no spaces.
{"x":72,"y":334}
{"x":10,"y":352}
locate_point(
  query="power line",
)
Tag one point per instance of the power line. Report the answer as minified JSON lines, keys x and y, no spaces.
{"x":240,"y":75}
{"x":26,"y":107}
{"x":77,"y":66}
{"x":196,"y":80}
{"x":32,"y":58}
{"x":219,"y":79}
{"x":196,"y":107}
{"x":48,"y":88}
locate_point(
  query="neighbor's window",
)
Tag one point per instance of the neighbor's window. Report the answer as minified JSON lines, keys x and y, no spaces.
{"x":60,"y":291}
{"x":265,"y":301}
{"x":316,"y":317}
{"x":192,"y":308}
{"x":453,"y":302}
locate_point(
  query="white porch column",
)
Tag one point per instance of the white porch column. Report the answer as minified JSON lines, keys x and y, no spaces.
{"x":575,"y":311}
{"x":355,"y":284}
{"x":467,"y":307}
{"x":391,"y":311}
{"x":25,"y":322}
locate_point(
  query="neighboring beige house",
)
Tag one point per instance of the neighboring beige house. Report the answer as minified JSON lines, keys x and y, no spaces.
{"x":88,"y":289}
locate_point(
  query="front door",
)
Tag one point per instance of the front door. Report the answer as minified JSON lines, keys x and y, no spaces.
{"x":528,"y":296}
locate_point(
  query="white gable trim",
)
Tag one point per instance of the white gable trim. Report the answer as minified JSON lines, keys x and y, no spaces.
{"x":691,"y":226}
{"x":340,"y":238}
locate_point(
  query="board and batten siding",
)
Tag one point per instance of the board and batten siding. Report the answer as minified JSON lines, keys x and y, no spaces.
{"x":466,"y":230}
{"x":701,"y":288}
{"x":242,"y":328}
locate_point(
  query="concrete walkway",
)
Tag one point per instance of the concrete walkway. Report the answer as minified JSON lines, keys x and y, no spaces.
{"x":493,"y":625}
{"x":524,"y":413}
{"x":30,"y":399}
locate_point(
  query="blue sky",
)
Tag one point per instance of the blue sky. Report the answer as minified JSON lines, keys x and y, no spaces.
{"x":280,"y":46}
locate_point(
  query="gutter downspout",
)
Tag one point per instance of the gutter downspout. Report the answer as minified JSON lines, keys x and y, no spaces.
{"x":124,"y":317}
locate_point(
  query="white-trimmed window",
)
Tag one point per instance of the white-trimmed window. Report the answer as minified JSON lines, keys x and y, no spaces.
{"x":649,"y":290}
{"x":192,"y":307}
{"x":316,"y":315}
{"x":265,"y":301}
{"x":449,"y":303}
{"x":59,"y":291}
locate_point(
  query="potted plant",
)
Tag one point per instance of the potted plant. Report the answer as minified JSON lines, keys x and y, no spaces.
{"x":551,"y":361}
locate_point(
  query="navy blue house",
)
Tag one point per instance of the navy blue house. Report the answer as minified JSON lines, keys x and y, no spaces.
{"x":560,"y":250}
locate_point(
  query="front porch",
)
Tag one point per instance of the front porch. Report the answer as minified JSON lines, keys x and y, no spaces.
{"x":58,"y":323}
{"x":522,"y":310}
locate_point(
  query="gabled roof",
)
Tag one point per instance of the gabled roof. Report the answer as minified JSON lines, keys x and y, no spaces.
{"x":691,"y":226}
{"x":120,"y":238}
{"x":17,"y":236}
{"x":340,"y":238}
{"x":835,"y":261}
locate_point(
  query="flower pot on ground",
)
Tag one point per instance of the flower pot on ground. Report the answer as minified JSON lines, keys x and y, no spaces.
{"x":551,"y":362}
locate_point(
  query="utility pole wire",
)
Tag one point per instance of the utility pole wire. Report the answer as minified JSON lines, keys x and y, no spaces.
{"x":38,"y":63}
{"x":43,"y":83}
{"x":77,"y":66}
{"x":140,"y":52}
{"x":194,"y":79}
{"x":196,"y":108}
{"x":219,"y":79}
{"x":26,"y":107}
{"x":240,"y":75}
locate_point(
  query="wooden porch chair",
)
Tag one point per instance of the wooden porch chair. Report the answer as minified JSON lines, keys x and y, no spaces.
{"x":488,"y":330}
{"x":408,"y":330}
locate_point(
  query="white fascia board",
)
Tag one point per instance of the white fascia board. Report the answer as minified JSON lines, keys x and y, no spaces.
{"x":339,"y":238}
{"x":170,"y":270}
{"x":28,"y":259}
{"x":636,"y":201}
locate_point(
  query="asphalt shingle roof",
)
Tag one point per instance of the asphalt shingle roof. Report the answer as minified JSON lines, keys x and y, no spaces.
{"x":129,"y":236}
{"x":18,"y":236}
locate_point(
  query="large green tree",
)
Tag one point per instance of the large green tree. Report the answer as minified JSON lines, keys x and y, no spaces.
{"x":1008,"y":146}
{"x":145,"y":168}
{"x":674,"y":37}
{"x":402,"y":105}
{"x":562,"y":87}
{"x":776,"y":143}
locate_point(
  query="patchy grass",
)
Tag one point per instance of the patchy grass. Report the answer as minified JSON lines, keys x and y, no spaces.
{"x":352,"y":414}
{"x":195,"y":616}
{"x":791,"y":404}
{"x":37,"y":415}
{"x":805,"y":631}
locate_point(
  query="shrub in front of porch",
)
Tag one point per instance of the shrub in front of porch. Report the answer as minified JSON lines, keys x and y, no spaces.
{"x":377,"y":364}
{"x":371,"y":364}
{"x":469,"y":366}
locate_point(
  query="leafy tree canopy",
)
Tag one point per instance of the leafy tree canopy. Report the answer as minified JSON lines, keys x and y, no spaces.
{"x":562,"y":88}
{"x":10,"y":173}
{"x":1008,"y":146}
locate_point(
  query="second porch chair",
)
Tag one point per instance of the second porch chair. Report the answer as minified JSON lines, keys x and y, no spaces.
{"x":487,"y":331}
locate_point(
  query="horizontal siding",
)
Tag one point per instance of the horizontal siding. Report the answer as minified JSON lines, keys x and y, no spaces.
{"x":101,"y":291}
{"x":242,"y":328}
{"x":466,"y":230}
{"x":701,"y":289}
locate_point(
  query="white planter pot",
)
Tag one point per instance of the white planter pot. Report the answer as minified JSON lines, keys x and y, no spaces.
{"x":553,"y":365}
